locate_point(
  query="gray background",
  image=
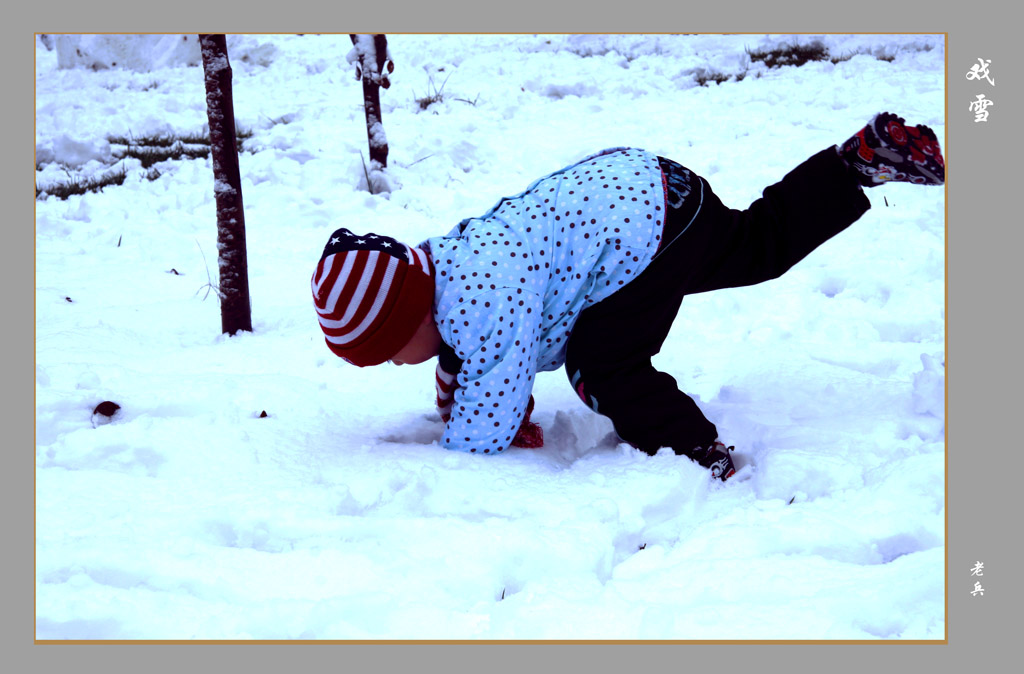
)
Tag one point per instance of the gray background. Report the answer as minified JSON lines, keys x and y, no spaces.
{"x":982,"y":357}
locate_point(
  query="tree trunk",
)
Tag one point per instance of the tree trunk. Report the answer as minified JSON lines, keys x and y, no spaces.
{"x":372,"y":54}
{"x":235,"y":313}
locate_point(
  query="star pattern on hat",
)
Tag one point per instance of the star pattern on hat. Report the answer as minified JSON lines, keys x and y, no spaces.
{"x":343,"y":240}
{"x":370,"y":292}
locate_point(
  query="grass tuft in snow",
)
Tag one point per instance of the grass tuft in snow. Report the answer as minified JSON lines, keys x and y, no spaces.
{"x":76,"y":185}
{"x":703,"y":76}
{"x":148,"y":149}
{"x":800,"y":54}
{"x":790,"y":54}
{"x":436,"y":95}
{"x":152,"y":150}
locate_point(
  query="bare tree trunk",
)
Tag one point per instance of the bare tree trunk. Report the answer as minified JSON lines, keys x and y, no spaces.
{"x":370,"y":54}
{"x":235,"y":312}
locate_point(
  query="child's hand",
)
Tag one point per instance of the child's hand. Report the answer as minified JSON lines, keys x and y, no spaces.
{"x":529,"y":435}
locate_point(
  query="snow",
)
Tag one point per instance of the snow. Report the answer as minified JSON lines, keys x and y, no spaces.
{"x":135,"y":52}
{"x":336,"y":515}
{"x":74,"y":153}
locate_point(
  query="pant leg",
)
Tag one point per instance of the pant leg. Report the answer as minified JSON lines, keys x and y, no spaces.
{"x":728,"y":248}
{"x":706,"y":246}
{"x":608,"y":362}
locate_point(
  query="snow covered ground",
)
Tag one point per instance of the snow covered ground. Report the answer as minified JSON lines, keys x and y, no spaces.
{"x":337,"y":516}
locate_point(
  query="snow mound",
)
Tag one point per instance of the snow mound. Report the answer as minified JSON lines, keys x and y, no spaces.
{"x":140,"y":53}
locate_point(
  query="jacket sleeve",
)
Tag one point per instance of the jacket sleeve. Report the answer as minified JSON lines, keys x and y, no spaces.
{"x":497,"y":336}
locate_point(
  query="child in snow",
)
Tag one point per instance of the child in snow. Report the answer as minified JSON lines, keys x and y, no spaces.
{"x":587,"y":268}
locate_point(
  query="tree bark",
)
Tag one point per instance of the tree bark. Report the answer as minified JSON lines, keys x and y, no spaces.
{"x":235,"y":311}
{"x":372,"y":53}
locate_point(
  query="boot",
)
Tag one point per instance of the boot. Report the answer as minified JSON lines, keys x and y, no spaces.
{"x":717,"y":458}
{"x":886,"y":150}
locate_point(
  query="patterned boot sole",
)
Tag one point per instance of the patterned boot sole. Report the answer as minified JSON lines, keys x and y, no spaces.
{"x":902,"y":153}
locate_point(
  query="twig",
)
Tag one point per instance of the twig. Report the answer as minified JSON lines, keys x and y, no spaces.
{"x":419,"y":160}
{"x":209,"y":281}
{"x":369,"y":185}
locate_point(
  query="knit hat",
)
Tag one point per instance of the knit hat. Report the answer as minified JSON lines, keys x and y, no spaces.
{"x":371,"y":294}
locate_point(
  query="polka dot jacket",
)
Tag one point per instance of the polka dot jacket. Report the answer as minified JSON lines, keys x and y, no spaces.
{"x":510,"y":284}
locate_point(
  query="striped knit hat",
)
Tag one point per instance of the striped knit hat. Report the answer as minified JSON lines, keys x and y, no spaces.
{"x":371,"y":294}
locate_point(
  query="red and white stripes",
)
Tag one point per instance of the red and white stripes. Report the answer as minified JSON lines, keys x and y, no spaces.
{"x":445,"y":383}
{"x":353,"y":291}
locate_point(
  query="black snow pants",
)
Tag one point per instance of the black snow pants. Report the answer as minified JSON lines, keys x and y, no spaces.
{"x":705,"y":246}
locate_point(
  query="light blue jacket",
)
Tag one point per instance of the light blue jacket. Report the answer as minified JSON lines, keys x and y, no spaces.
{"x":510,"y":284}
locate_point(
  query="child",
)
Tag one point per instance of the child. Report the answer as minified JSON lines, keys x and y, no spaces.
{"x":587,"y":268}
